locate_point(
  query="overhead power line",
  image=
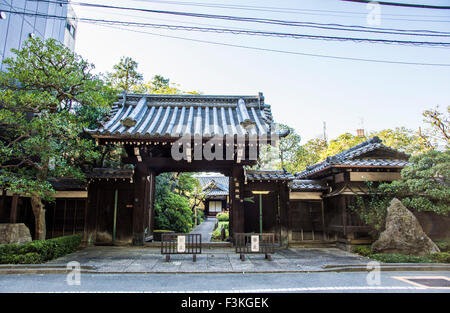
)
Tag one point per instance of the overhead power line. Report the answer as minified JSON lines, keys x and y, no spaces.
{"x":339,"y":27}
{"x":277,"y":9}
{"x":409,"y":5}
{"x":285,"y":51}
{"x":246,"y":32}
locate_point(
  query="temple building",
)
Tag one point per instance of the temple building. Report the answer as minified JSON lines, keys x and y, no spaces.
{"x":218,"y":134}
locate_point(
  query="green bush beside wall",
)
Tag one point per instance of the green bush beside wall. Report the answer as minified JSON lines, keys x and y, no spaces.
{"x":39,"y":251}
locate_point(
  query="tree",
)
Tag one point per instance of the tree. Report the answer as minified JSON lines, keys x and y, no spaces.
{"x":125,"y":77}
{"x":425,"y":183}
{"x":44,"y":87}
{"x":402,"y":139}
{"x":309,"y":153}
{"x":340,"y":144}
{"x":174,"y":201}
{"x":438,"y":132}
{"x":284,"y":155}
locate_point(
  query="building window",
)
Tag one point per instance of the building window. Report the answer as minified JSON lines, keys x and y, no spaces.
{"x":71,"y":29}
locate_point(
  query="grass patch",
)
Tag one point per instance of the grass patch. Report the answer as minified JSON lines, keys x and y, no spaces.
{"x":364,"y":250}
{"x":217,"y":233}
{"x":39,"y":251}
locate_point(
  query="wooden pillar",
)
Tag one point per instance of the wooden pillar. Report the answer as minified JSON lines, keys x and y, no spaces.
{"x":2,"y":205}
{"x":150,"y":209}
{"x":344,"y":213}
{"x":13,"y":212}
{"x":237,"y":200}
{"x":284,"y":214}
{"x":90,"y":224}
{"x":141,"y":190}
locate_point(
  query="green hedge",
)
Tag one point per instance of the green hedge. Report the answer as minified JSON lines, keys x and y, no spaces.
{"x":443,"y":245}
{"x":399,"y":258}
{"x":38,"y":251}
{"x":441,"y":257}
{"x":364,"y":250}
{"x":222,"y":217}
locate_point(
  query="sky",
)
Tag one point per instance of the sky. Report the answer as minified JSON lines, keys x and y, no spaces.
{"x":303,"y":91}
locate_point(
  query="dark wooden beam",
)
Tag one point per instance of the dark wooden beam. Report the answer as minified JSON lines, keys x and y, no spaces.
{"x":2,"y":204}
{"x":13,"y":213}
{"x":161,"y":164}
{"x":141,"y":190}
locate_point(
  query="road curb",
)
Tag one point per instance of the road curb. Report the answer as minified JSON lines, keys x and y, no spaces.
{"x":60,"y":269}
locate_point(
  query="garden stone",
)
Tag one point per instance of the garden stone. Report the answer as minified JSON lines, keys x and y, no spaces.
{"x":14,"y":233}
{"x":403,"y":233}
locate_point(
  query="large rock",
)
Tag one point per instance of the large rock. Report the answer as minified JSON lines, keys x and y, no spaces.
{"x":14,"y":233}
{"x":403,"y":233}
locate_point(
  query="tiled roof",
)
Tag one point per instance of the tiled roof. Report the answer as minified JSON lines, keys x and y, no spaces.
{"x":354,"y":157}
{"x":214,"y":185}
{"x":307,"y":184}
{"x":268,"y":175}
{"x":149,"y":116}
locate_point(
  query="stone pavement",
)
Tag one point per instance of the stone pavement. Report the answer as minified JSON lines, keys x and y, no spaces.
{"x":205,"y":229}
{"x":218,"y":260}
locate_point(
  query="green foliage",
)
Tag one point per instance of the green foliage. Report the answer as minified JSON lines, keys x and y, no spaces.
{"x":363,"y":250}
{"x":125,"y":76}
{"x":222,"y":217}
{"x":284,"y":155}
{"x":424,"y":183}
{"x":438,"y":133}
{"x":372,"y":208}
{"x":399,"y":258}
{"x":39,"y":251}
{"x":44,"y":96}
{"x":443,"y":245}
{"x":217,"y":233}
{"x":173,"y":212}
{"x":441,"y":257}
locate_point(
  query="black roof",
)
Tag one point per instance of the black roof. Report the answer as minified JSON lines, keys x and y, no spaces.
{"x":359,"y":155}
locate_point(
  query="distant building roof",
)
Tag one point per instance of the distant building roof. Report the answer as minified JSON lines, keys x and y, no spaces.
{"x":153,"y":117}
{"x":307,"y":185}
{"x":214,"y":185}
{"x":268,"y":175}
{"x":369,"y":153}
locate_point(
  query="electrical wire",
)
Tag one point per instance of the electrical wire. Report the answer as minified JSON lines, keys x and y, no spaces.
{"x":247,"y":32}
{"x":285,"y":51}
{"x":354,"y":28}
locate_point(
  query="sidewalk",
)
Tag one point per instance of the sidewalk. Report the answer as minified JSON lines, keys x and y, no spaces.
{"x":142,"y":260}
{"x":222,"y":260}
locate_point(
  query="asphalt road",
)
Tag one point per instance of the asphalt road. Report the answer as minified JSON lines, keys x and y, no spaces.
{"x":354,"y":282}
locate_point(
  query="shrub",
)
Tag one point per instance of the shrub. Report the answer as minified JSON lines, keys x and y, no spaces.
{"x":38,"y":251}
{"x":216,"y":235}
{"x":173,"y":212}
{"x":222,"y":217}
{"x":441,"y":257}
{"x":363,"y":250}
{"x":399,"y":258}
{"x":443,"y":245}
